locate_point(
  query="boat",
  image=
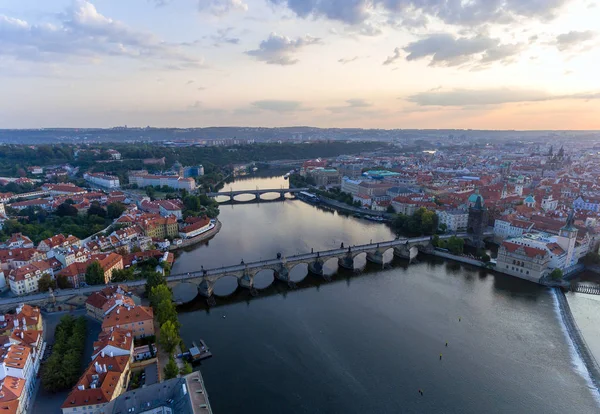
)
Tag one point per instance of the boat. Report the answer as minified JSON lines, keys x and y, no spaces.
{"x":199,"y":352}
{"x":309,"y":197}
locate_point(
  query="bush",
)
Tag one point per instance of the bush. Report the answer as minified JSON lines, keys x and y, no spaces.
{"x":556,"y":274}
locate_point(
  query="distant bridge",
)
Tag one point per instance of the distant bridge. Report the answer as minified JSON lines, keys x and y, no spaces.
{"x":258,"y":192}
{"x":281,"y":266}
{"x":590,"y":290}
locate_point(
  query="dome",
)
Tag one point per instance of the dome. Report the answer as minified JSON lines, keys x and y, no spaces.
{"x":530,"y":199}
{"x":474,"y":197}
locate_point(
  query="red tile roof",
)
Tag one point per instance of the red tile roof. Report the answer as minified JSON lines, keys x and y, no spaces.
{"x":529,"y":251}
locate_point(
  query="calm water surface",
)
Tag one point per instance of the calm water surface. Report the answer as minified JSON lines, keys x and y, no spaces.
{"x":367,"y":342}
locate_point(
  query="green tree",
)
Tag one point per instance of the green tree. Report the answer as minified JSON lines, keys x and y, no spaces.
{"x":456,"y":245}
{"x":46,"y":283}
{"x":153,"y":279}
{"x":435,"y":241}
{"x":158,"y":294}
{"x":169,"y":337}
{"x":115,"y":210}
{"x":390,"y":208}
{"x":556,"y":274}
{"x":166,"y":312}
{"x":122,"y":275}
{"x":443,"y":228}
{"x":150,"y":192}
{"x":591,"y":259}
{"x":96,"y":210}
{"x":66,"y":210}
{"x":63,"y":283}
{"x":94,"y":274}
{"x":171,"y":369}
{"x":187,"y":369}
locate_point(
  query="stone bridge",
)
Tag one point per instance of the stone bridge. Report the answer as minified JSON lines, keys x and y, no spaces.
{"x":282,"y":266}
{"x":258,"y":192}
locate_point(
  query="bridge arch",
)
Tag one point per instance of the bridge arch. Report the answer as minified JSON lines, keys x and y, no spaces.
{"x":225,"y":285}
{"x":270,"y":194}
{"x":263,"y":278}
{"x":298,"y":271}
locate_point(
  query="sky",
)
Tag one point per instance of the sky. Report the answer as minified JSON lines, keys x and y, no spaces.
{"x":479,"y":64}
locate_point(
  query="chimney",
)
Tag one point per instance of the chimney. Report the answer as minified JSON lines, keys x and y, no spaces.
{"x":102,"y":354}
{"x":111,"y":354}
{"x":105,"y":370}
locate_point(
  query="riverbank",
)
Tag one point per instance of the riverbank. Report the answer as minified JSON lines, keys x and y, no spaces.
{"x":584,"y":359}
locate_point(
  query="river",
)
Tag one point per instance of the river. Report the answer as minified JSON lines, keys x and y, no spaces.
{"x":367,"y":342}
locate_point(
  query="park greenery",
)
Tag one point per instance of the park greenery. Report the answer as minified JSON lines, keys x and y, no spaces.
{"x":199,"y":205}
{"x":338,"y":195}
{"x":454,"y":244}
{"x":171,"y":370}
{"x":164,"y":309}
{"x":421,"y":222}
{"x":46,"y":283}
{"x":38,"y":224}
{"x":187,"y":368}
{"x":591,"y":259}
{"x":63,"y":368}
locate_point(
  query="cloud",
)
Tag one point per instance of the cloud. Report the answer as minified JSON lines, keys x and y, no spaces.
{"x":84,"y":34}
{"x":479,"y":97}
{"x":353,"y":105}
{"x":391,"y":59}
{"x":445,"y":49}
{"x":221,"y":7}
{"x":190,"y":82}
{"x":453,"y":12}
{"x":574,"y":39}
{"x":344,"y":61}
{"x":160,"y":3}
{"x":222,"y":37}
{"x":279,"y":50}
{"x":279,"y":106}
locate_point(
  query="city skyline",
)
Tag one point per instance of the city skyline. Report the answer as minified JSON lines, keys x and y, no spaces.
{"x":499,"y":64}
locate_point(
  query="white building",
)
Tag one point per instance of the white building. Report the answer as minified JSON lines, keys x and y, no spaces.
{"x":102,"y":180}
{"x":24,"y":279}
{"x":196,"y":229}
{"x":455,"y":220}
{"x":509,"y":227}
{"x":350,"y":186}
{"x":549,"y":204}
{"x":172,"y":181}
{"x":114,"y":154}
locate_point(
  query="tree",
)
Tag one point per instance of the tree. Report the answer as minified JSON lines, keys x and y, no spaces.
{"x":63,"y":282}
{"x":435,"y":241}
{"x":485,"y":258}
{"x":456,"y":245}
{"x":591,"y":259}
{"x":171,"y":370}
{"x":115,"y":210}
{"x":443,"y":228}
{"x":166,"y":312}
{"x":150,"y":192}
{"x":390,"y":209}
{"x":46,"y":283}
{"x":187,"y":369}
{"x":153,"y":279}
{"x":122,"y":275}
{"x":94,"y":274}
{"x":96,"y":210}
{"x":556,"y":274}
{"x":169,"y":337}
{"x":158,"y":294}
{"x":66,"y":210}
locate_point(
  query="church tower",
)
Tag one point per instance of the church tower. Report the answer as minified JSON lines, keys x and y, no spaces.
{"x":477,"y":221}
{"x":567,"y":237}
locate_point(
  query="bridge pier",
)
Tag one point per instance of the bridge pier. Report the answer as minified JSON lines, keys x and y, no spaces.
{"x":375,"y":257}
{"x":407,"y":252}
{"x":316,"y":267}
{"x":347,"y":262}
{"x":206,"y":288}
{"x":282,"y":273}
{"x":246,"y":281}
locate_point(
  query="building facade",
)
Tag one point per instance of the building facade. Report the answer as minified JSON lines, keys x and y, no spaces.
{"x":102,"y":180}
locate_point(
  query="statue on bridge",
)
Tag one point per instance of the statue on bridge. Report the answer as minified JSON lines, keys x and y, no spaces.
{"x":342,"y":245}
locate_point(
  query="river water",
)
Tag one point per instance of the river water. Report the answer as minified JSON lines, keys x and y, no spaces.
{"x":366,"y":342}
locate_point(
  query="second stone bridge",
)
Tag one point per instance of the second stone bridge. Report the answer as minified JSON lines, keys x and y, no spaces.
{"x":282,"y":266}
